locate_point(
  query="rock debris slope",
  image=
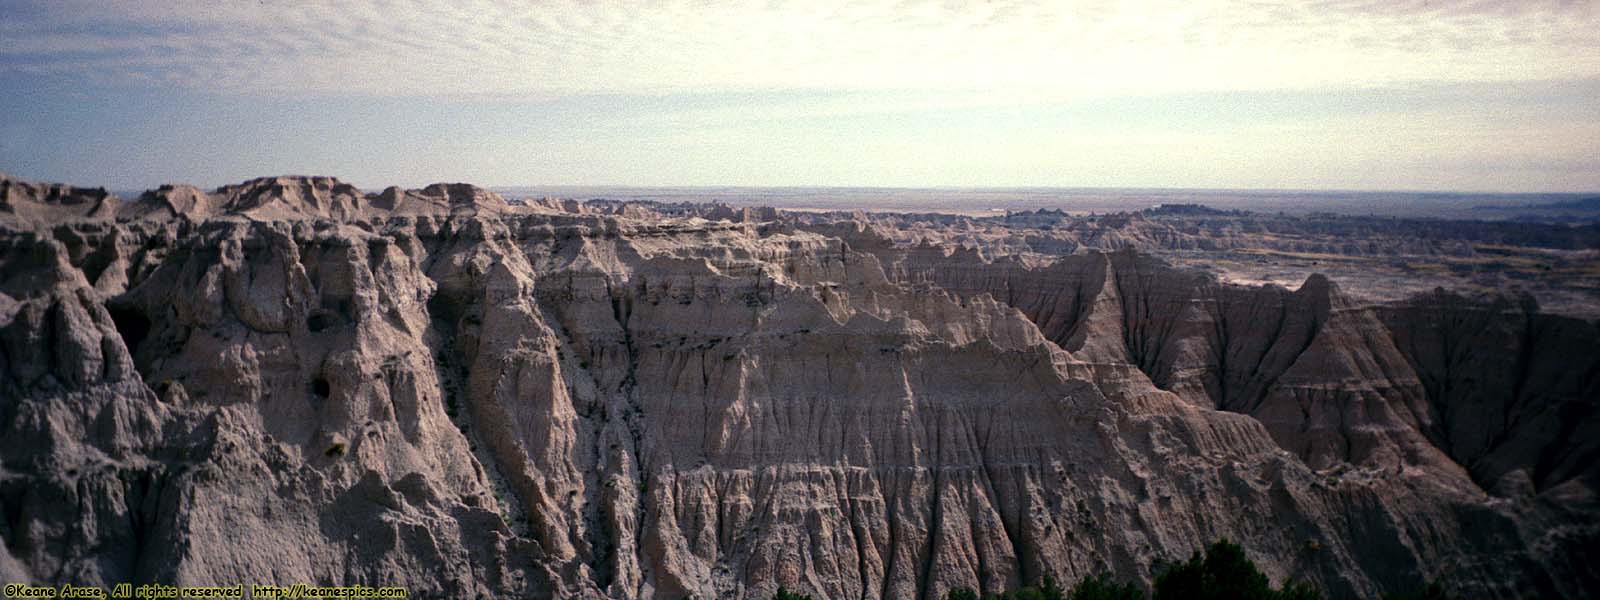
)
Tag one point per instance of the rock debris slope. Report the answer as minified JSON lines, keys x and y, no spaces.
{"x":290,"y":380}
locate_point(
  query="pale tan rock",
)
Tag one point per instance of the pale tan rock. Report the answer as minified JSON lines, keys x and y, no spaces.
{"x":29,"y":202}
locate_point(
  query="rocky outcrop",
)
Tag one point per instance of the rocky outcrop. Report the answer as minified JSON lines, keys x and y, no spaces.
{"x":1321,"y":373}
{"x":1375,"y":260}
{"x":288,"y":198}
{"x":172,"y":202}
{"x":166,"y":434}
{"x":1196,"y":228}
{"x":26,"y":201}
{"x":1435,"y":381}
{"x":534,"y":401}
{"x":457,"y":199}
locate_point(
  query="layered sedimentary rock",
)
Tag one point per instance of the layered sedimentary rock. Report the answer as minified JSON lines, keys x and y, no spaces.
{"x":439,"y":389}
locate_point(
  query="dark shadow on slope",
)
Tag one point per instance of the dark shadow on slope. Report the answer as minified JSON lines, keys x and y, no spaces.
{"x":132,"y":325}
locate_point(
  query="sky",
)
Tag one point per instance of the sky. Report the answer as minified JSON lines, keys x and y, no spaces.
{"x":1323,"y":94}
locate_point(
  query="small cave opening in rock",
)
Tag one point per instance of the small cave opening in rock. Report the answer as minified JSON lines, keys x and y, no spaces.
{"x":131,"y":324}
{"x":320,"y":387}
{"x":319,"y":321}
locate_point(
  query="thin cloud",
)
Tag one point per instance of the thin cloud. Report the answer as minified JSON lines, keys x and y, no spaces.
{"x":1055,"y":49}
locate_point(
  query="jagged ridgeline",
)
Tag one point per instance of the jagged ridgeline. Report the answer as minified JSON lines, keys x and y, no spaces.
{"x":291,"y":380}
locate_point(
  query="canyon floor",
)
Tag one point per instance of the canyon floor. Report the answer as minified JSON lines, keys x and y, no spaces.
{"x":293,"y":380}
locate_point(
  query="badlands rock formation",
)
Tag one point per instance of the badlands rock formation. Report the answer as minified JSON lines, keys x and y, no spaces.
{"x":1375,"y":259}
{"x":290,"y":380}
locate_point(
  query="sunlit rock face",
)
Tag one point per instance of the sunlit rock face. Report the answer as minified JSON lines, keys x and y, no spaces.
{"x":291,"y":380}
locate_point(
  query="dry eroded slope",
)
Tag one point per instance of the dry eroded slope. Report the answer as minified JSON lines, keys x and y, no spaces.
{"x":469,"y":397}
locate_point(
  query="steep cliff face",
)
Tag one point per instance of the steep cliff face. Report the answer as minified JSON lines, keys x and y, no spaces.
{"x":1515,"y":390}
{"x":466,"y":397}
{"x":1321,"y":374}
{"x":1479,"y":394}
{"x":1439,"y":380}
{"x":172,"y":432}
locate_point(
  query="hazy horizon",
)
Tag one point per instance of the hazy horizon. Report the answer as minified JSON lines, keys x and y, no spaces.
{"x":373,"y":187}
{"x":1455,"y":97}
